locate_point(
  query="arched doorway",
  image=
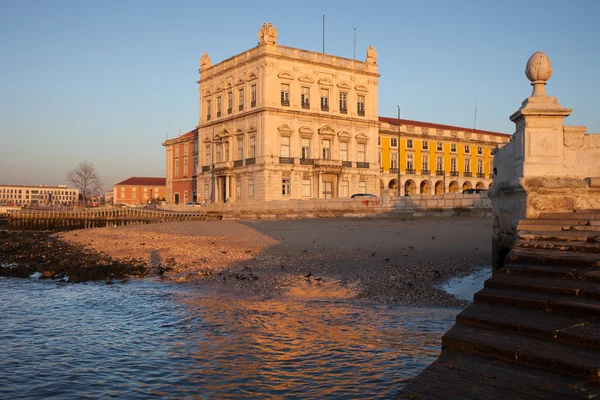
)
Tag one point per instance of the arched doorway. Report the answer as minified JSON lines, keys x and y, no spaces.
{"x":176,"y":197}
{"x":410,"y":187}
{"x":439,"y":188}
{"x":466,"y":186}
{"x":394,"y":185}
{"x":425,"y":187}
{"x":480,"y":185}
{"x":194,"y":196}
{"x":453,"y":188}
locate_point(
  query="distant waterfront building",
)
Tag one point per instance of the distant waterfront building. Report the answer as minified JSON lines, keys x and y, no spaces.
{"x":283,"y":123}
{"x":20,"y":195}
{"x":182,"y":165}
{"x":139,"y":190}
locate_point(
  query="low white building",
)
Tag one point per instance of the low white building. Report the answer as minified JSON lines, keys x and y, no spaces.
{"x":20,"y":195}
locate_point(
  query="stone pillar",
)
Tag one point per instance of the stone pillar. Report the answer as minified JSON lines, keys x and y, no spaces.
{"x":540,"y":170}
{"x":320,"y":186}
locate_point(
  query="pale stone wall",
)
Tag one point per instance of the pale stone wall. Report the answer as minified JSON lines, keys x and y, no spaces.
{"x":546,"y":167}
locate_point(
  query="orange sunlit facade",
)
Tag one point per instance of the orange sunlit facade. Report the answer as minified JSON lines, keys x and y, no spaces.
{"x":182,"y":164}
{"x":139,"y":190}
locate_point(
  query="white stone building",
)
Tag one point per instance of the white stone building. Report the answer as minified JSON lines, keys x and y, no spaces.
{"x":20,"y":195}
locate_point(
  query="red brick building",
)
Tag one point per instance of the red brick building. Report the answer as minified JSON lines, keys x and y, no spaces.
{"x":139,"y":190}
{"x":182,"y":164}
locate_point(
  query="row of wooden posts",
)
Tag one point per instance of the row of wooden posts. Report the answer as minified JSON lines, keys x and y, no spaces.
{"x":108,"y":214}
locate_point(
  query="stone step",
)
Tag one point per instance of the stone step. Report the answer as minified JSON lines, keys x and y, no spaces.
{"x":567,"y":287}
{"x":550,"y":257}
{"x":551,"y":224}
{"x":576,"y":306}
{"x":484,"y":377}
{"x":594,"y":227}
{"x":582,"y":363}
{"x":588,"y":274}
{"x":564,"y":236}
{"x":577,"y":246}
{"x":567,"y":329}
{"x":578,"y":214}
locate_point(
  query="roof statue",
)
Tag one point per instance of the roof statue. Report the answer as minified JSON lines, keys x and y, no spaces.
{"x":538,"y":71}
{"x":205,"y":61}
{"x":267,"y":34}
{"x":371,"y":55}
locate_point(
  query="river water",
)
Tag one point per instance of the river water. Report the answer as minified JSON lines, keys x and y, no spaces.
{"x":149,"y":339}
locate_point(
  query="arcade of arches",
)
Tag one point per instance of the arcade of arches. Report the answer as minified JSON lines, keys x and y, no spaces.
{"x":431,"y":187}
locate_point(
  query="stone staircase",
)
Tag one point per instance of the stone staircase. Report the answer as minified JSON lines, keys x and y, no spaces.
{"x":533,"y":331}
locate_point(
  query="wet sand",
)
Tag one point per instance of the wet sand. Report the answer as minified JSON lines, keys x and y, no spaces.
{"x":382,"y":260}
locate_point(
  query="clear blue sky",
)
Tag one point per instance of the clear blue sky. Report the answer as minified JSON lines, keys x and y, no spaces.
{"x":107,"y":81}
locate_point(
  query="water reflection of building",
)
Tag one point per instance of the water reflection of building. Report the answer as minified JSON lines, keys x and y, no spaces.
{"x":20,"y":195}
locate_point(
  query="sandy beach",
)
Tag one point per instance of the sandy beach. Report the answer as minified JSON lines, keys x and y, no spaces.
{"x":382,"y":260}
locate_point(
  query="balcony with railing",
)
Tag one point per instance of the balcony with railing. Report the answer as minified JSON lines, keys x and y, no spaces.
{"x":208,"y":117}
{"x":306,"y":105}
{"x":425,"y":172}
{"x":253,"y":103}
{"x":224,"y":164}
{"x":286,"y":160}
{"x":229,"y":110}
{"x":205,"y":168}
{"x":347,"y":164}
{"x":410,"y":171}
{"x":381,"y":169}
{"x":362,"y":165}
{"x":393,"y":170}
{"x":343,"y":111}
{"x":491,"y":176}
{"x":440,"y":172}
{"x":361,"y":113}
{"x":453,"y":173}
{"x":467,"y":174}
{"x":328,"y":163}
{"x":218,"y":114}
{"x":241,"y":107}
{"x":238,"y":163}
{"x":285,"y":102}
{"x":480,"y":175}
{"x":307,"y":161}
{"x":324,"y":107}
{"x":250,"y":161}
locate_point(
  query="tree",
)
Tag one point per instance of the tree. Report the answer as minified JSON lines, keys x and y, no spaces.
{"x":85,"y":178}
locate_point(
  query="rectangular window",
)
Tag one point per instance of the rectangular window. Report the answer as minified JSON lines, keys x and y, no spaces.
{"x":343,"y":103}
{"x":219,"y":106}
{"x":379,"y":140}
{"x":394,"y":161}
{"x":362,"y":152}
{"x":176,"y":168}
{"x":409,"y":163}
{"x":453,"y":148}
{"x":253,"y":96}
{"x":238,"y":188}
{"x":425,"y":145}
{"x":206,"y":192}
{"x":409,"y":143}
{"x":252,"y":149}
{"x":480,"y":166}
{"x":176,"y":150}
{"x":240,"y":147}
{"x":425,"y":164}
{"x":285,"y":94}
{"x":439,"y":146}
{"x":326,"y":144}
{"x":362,"y":187}
{"x":251,"y":187}
{"x":219,"y":152}
{"x":324,"y":99}
{"x":394,"y":142}
{"x":360,"y":105}
{"x":345,"y":189}
{"x":467,"y":149}
{"x":241,"y":99}
{"x":344,"y":151}
{"x":186,"y":149}
{"x":185,"y":166}
{"x":439,"y":165}
{"x":229,"y":102}
{"x":195,"y":164}
{"x":208,"y":109}
{"x":306,"y":192}
{"x":226,"y":158}
{"x":305,"y":148}
{"x":195,"y":146}
{"x":467,"y":165}
{"x":305,"y":97}
{"x":207,"y":155}
{"x":285,"y":187}
{"x":453,"y":164}
{"x":479,"y":150}
{"x":285,"y":146}
{"x":122,"y":192}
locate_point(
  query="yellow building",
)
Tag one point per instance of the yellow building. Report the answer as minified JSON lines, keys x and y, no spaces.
{"x":434,"y":158}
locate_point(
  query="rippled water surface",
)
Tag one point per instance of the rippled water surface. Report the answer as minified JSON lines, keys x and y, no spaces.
{"x":154,"y":340}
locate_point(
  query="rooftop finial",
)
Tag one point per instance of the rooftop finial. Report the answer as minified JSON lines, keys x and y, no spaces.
{"x":538,"y":71}
{"x":205,"y":61}
{"x":371,"y":55}
{"x":267,"y":34}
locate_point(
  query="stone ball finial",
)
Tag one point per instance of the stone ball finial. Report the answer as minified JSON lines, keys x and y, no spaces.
{"x":538,"y":71}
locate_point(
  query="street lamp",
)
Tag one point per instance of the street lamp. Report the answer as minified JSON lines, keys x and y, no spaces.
{"x":399,"y":186}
